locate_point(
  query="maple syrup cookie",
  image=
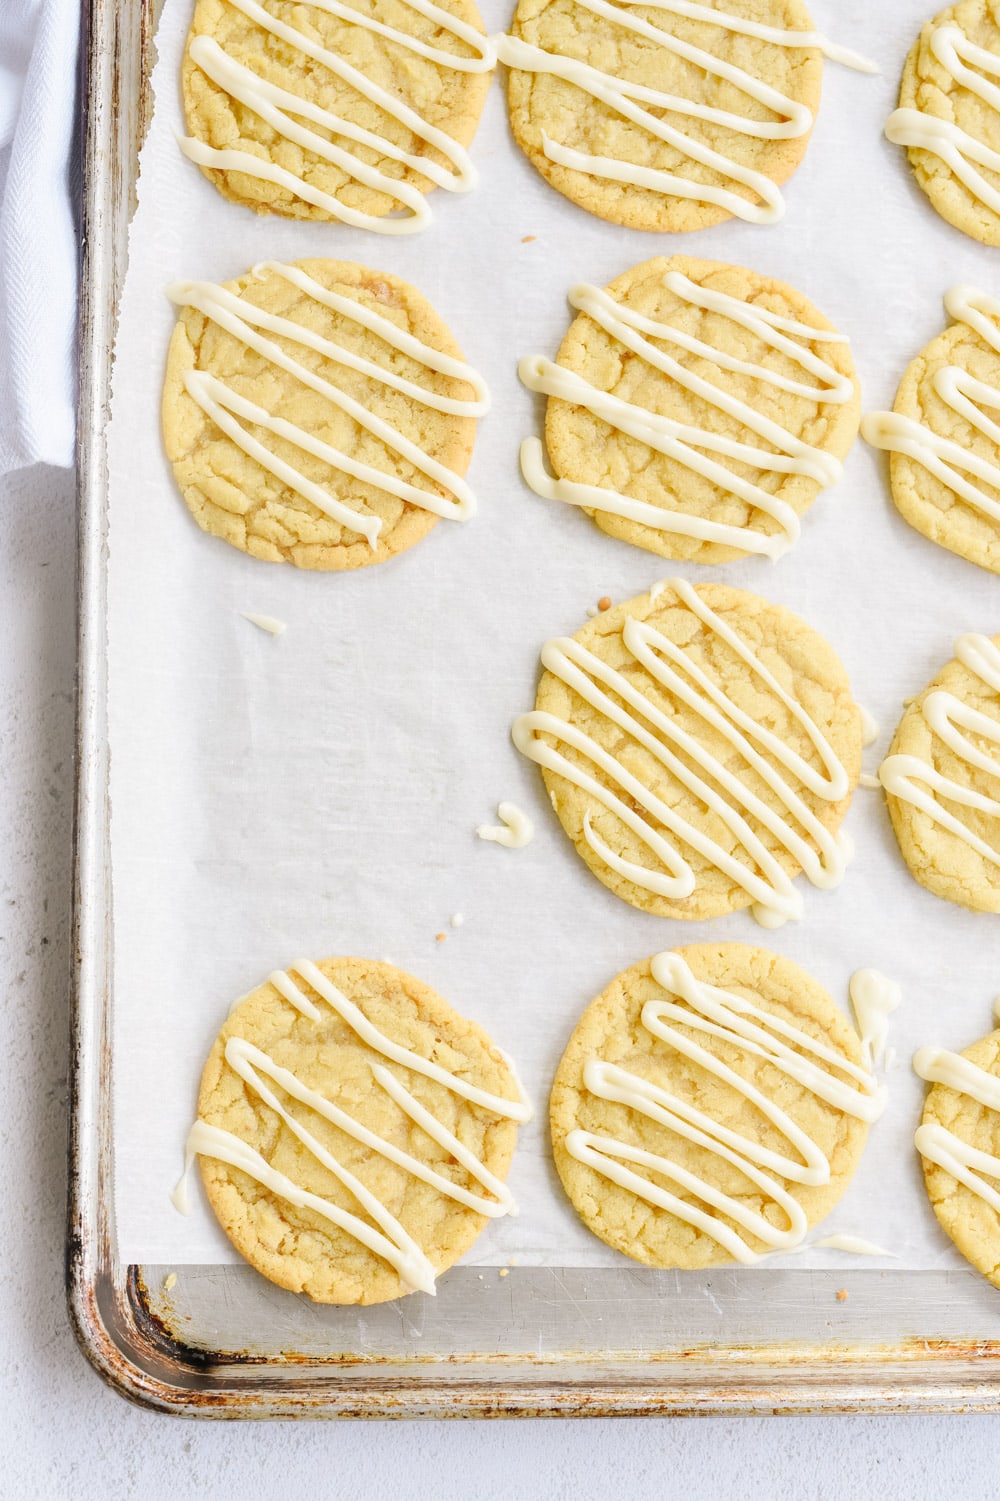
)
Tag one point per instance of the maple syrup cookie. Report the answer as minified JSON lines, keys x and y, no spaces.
{"x":959,"y":1143}
{"x":318,"y":413}
{"x":323,"y":110}
{"x":949,"y":116}
{"x":711,"y":1106}
{"x":700,"y":748}
{"x":668,"y":116}
{"x":942,"y":779}
{"x":695,"y":410}
{"x":354,"y":1131}
{"x":943,"y":435}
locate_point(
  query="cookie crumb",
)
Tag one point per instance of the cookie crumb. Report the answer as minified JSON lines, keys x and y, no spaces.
{"x":841,"y":1294}
{"x":457,"y":919}
{"x":604,"y":603}
{"x":528,"y":239}
{"x":440,"y":937}
{"x":169,"y":1281}
{"x":505,"y":1271}
{"x":591,"y":611}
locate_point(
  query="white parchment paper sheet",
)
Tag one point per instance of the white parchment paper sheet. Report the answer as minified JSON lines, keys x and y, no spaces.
{"x":317,"y":794}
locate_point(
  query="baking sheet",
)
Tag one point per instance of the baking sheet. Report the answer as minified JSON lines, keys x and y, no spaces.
{"x":317,"y":794}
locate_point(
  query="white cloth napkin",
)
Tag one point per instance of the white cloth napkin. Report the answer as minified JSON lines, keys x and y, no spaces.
{"x":39,"y":41}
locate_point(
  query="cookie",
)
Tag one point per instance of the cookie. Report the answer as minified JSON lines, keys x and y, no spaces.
{"x":669,"y":116}
{"x":700,"y":748}
{"x":943,"y":434}
{"x":959,"y":1143}
{"x":354,"y":1131}
{"x":949,"y":116}
{"x":332,"y":111}
{"x":711,"y":1106}
{"x":942,"y":779}
{"x":695,"y":409}
{"x":318,"y":413}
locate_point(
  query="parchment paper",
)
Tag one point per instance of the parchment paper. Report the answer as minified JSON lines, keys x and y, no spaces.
{"x":316,"y":794}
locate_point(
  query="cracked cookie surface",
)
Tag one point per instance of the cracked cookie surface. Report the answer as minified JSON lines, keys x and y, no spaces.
{"x":234,"y":497}
{"x":610,"y":1029}
{"x":296,"y":1247}
{"x":585,"y":449}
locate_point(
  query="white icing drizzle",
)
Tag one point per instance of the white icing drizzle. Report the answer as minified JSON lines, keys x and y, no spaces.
{"x":869,"y":727}
{"x":822,"y":855}
{"x":285,"y":113}
{"x":636,"y":102}
{"x":941,"y":1146}
{"x":269,"y":623}
{"x":694,"y":446}
{"x":224,"y":406}
{"x":514,"y":831}
{"x":868,"y":781}
{"x":853,"y":1245}
{"x":386,"y":1238}
{"x":738,"y":1022}
{"x":961,"y":153}
{"x":970,"y":399}
{"x":873,"y":1000}
{"x":915,"y":781}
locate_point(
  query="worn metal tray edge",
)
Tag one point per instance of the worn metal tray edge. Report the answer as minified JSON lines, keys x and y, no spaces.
{"x":116,"y":1321}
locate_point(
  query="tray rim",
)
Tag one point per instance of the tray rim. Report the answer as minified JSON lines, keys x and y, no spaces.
{"x":113,"y":1316}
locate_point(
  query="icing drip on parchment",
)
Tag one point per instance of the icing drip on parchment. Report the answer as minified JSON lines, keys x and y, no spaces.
{"x":225,"y":407}
{"x":973,"y":478}
{"x":514,"y":831}
{"x":713,"y":1012}
{"x":386,"y":1237}
{"x":654,"y":820}
{"x":776,"y":451}
{"x":951,"y":721}
{"x":963,"y":154}
{"x":637,"y":103}
{"x":292,"y":117}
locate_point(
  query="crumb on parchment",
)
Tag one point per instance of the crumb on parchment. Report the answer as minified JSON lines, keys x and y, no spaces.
{"x":842,"y":1295}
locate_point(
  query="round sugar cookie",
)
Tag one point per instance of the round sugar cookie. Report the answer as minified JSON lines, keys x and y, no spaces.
{"x":349,"y":113}
{"x":955,"y":1123}
{"x":360,"y":1042}
{"x":661,"y":1155}
{"x":942,"y":435}
{"x":942,"y":111}
{"x":562,"y":128}
{"x":942,"y":779}
{"x":318,"y":413}
{"x":699,"y":746}
{"x":661,"y":373}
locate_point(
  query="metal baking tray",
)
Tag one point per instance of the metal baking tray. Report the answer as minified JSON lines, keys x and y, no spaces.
{"x":223,"y":1342}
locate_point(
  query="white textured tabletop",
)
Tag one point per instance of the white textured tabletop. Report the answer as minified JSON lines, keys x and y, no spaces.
{"x":63,"y":1434}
